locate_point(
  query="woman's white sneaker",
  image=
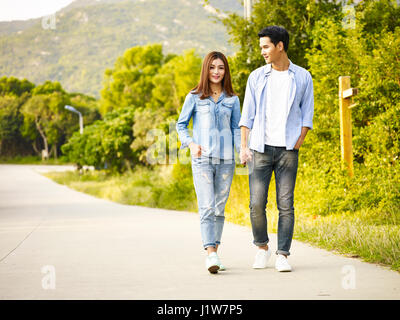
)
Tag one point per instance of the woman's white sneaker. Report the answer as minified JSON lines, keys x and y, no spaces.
{"x":261,"y":259}
{"x":212,"y":263}
{"x":281,"y":264}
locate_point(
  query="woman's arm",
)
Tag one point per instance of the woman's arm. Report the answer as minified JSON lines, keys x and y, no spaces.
{"x":183,"y":121}
{"x":235,"y":118}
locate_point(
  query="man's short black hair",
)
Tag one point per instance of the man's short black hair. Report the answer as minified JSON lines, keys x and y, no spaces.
{"x":276,"y":34}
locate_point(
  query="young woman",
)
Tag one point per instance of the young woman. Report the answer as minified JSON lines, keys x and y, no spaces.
{"x":215,"y":110}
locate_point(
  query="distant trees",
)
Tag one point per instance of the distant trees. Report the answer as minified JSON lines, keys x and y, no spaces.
{"x":142,"y":95}
{"x":176,"y":77}
{"x":140,"y":102}
{"x":13,"y":94}
{"x":129,"y":83}
{"x":105,"y":143}
{"x":33,"y":118}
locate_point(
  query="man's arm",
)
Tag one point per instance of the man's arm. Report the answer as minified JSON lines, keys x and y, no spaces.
{"x":307,"y":111}
{"x":307,"y":104}
{"x":244,"y":134}
{"x":245,"y":153}
{"x":303,"y":134}
{"x":249,"y":106}
{"x":246,"y":121}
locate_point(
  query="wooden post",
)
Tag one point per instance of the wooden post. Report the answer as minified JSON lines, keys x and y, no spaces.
{"x":345,"y":94}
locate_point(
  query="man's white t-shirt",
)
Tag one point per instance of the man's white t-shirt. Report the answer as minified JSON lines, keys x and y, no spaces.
{"x":278,"y":90}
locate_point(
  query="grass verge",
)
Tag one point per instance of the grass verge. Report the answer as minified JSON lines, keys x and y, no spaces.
{"x":33,"y":160}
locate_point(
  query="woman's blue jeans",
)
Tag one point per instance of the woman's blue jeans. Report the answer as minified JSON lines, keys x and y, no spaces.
{"x":212,"y":179}
{"x":284,"y":164}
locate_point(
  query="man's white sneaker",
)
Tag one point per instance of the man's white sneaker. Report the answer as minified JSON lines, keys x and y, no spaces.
{"x":261,"y":259}
{"x":212,"y":262}
{"x":281,"y":264}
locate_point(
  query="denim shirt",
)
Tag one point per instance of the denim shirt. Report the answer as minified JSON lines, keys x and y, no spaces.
{"x":301,"y":104}
{"x":215,"y":125}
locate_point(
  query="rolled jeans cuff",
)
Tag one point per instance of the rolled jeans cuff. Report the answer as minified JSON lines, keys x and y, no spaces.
{"x":209,"y":245}
{"x":287,"y":253}
{"x":261,"y":244}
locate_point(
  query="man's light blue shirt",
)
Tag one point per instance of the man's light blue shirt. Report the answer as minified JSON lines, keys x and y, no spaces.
{"x":301,"y":105}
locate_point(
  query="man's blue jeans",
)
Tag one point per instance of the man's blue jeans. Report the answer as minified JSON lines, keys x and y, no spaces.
{"x":284,"y":164}
{"x":212,"y":179}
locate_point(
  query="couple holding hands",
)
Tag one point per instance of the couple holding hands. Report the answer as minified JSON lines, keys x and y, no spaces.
{"x":277,"y":112}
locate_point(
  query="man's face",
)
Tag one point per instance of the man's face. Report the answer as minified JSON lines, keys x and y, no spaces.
{"x":269,"y":51}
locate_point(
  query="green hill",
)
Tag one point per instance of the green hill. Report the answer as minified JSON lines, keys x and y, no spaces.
{"x":89,"y":35}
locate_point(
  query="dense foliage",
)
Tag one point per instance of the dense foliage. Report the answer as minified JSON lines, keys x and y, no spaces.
{"x":33,"y":118}
{"x":141,"y":100}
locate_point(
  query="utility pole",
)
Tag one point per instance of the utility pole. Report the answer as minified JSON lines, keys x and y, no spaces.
{"x":248,"y":4}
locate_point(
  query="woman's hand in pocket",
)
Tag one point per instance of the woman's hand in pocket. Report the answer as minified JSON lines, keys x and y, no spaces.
{"x":195,"y":149}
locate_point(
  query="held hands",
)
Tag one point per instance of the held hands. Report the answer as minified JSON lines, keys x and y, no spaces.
{"x":196,"y":149}
{"x":245,"y":155}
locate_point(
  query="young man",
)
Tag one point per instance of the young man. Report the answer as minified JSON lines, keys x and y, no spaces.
{"x":277,"y":111}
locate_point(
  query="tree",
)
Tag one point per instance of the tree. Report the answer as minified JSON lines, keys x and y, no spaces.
{"x":11,"y":140}
{"x":130,"y":82}
{"x":172,"y":83}
{"x":14,"y":86}
{"x":104,"y":143}
{"x":45,"y":109}
{"x":13,"y":94}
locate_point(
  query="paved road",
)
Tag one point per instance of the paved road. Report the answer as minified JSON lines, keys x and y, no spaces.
{"x":57,"y":243}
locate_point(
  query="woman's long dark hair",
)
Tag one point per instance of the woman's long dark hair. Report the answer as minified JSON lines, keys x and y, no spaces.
{"x":203,"y":86}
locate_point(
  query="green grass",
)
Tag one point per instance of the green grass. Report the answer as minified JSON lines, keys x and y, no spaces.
{"x":362,"y":233}
{"x":142,"y":187}
{"x":354,"y":236}
{"x":33,"y":160}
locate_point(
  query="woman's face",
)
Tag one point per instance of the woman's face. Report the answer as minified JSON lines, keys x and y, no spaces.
{"x":217,"y":71}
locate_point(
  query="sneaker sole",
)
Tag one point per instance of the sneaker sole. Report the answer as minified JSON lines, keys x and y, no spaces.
{"x":284,"y":270}
{"x":213,"y":269}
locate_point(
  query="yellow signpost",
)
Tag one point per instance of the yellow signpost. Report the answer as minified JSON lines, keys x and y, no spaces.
{"x":345,"y":94}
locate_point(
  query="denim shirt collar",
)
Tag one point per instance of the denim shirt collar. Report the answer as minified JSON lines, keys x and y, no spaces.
{"x":221,"y":97}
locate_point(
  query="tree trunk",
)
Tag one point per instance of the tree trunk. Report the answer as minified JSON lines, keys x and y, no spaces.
{"x":53,"y":150}
{"x":46,"y":146}
{"x":35,"y":148}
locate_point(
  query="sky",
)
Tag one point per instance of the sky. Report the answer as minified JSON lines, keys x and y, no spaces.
{"x":28,"y":9}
